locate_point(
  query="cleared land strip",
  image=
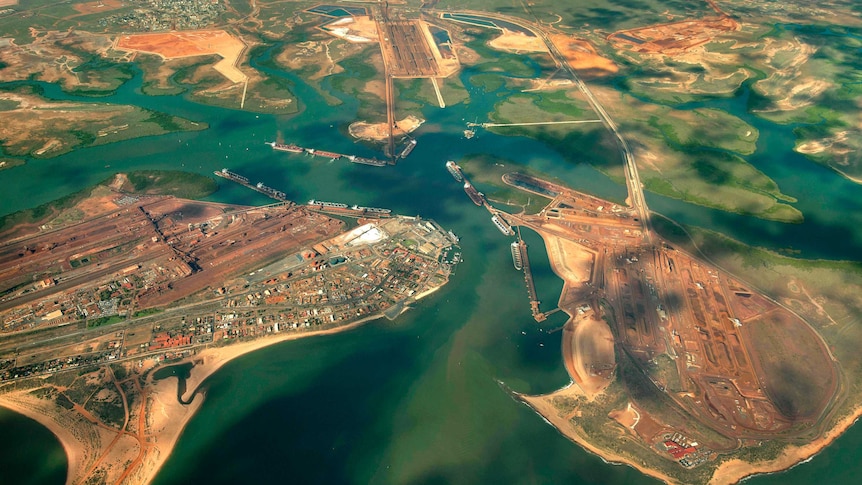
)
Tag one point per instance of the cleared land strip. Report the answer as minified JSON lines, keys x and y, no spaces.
{"x":175,"y":45}
{"x":534,"y":123}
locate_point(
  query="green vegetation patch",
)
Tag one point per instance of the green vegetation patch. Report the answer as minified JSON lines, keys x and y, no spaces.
{"x":415,"y":94}
{"x":696,"y":155}
{"x":184,"y":185}
{"x":8,"y":162}
{"x":101,"y":321}
{"x":48,"y":128}
{"x":488,"y":170}
{"x":43,"y":212}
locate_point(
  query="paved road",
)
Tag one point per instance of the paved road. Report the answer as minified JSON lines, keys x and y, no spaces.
{"x":633,"y":182}
{"x":635,"y":188}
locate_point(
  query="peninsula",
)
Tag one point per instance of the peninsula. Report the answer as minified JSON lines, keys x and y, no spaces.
{"x":101,"y":313}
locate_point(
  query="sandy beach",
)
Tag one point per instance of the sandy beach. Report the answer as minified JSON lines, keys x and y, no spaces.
{"x":729,"y":472}
{"x":733,"y":471}
{"x":71,"y":445}
{"x":87,"y":446}
{"x":210,"y":360}
{"x":206,"y":364}
{"x":542,"y":406}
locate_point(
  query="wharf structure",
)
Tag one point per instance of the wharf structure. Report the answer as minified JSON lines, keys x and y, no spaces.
{"x":349,"y":210}
{"x":528,"y":280}
{"x":315,"y":152}
{"x":259,"y":187}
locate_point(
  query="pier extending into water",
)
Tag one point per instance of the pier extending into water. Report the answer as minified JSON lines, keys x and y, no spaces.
{"x":259,"y":187}
{"x":532,"y":123}
{"x":528,"y":280}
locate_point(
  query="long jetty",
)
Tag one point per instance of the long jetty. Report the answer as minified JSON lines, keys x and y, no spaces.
{"x":259,"y":187}
{"x":528,"y":280}
{"x":333,"y":155}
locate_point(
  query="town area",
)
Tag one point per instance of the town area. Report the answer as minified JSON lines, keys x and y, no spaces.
{"x":104,"y":289}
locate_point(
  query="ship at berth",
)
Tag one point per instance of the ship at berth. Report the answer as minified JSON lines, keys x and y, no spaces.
{"x":331,"y":205}
{"x":285,"y":148}
{"x":374,"y":210}
{"x":477,"y":197}
{"x":455,"y":170}
{"x":502,"y":226}
{"x":517,"y":260}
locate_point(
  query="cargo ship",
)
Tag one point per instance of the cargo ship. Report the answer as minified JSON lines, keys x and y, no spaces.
{"x":285,"y":148}
{"x":455,"y":170}
{"x":331,"y":205}
{"x":325,"y":154}
{"x":225,"y":173}
{"x":260,"y":187}
{"x":269,"y":191}
{"x":407,"y":149}
{"x":367,"y":161}
{"x":516,"y":256}
{"x":373,"y":210}
{"x":477,"y":197}
{"x":502,"y":226}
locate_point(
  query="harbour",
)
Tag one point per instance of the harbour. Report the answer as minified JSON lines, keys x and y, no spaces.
{"x":246,"y":399}
{"x":259,"y":187}
{"x":316,"y":152}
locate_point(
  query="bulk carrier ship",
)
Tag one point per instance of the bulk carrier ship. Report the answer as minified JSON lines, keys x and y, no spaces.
{"x":455,"y":171}
{"x":285,"y":148}
{"x":477,"y":197}
{"x":502,"y":226}
{"x":516,"y":256}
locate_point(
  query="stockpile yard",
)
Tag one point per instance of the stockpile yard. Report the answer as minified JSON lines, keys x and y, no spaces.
{"x":675,"y":37}
{"x":146,"y":252}
{"x":407,"y":49}
{"x":720,"y":350}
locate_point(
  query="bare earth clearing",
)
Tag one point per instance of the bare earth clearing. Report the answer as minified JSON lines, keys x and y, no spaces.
{"x":175,"y":45}
{"x":518,"y":42}
{"x":582,"y":56}
{"x":378,"y":131}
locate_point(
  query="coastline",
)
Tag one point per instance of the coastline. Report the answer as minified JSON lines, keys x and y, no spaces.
{"x":729,"y":472}
{"x":544,"y":409}
{"x":735,"y":470}
{"x":213,"y":360}
{"x":166,"y":425}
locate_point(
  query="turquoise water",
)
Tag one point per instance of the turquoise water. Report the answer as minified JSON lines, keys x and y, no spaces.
{"x":29,"y":453}
{"x":425,"y":398}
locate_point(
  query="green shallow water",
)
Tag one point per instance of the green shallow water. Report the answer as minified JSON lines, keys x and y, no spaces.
{"x":423,"y":399}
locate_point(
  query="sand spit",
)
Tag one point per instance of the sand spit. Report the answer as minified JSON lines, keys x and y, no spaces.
{"x":732,"y":471}
{"x":729,"y":472}
{"x":543,"y":406}
{"x":80,"y":449}
{"x":363,"y":130}
{"x":135,"y":455}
